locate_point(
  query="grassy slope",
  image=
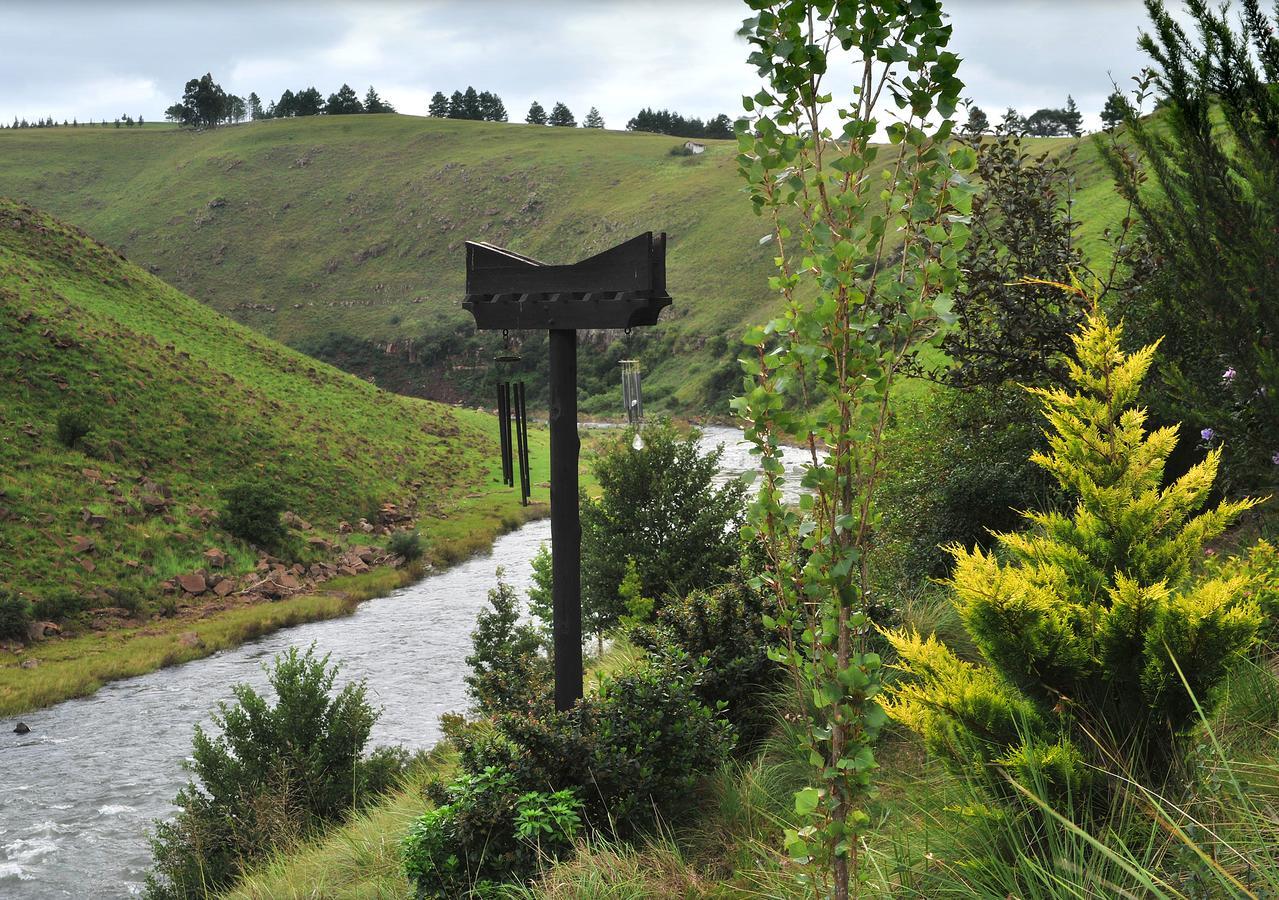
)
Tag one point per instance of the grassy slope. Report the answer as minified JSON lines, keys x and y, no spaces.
{"x":187,"y":399}
{"x":355,"y":224}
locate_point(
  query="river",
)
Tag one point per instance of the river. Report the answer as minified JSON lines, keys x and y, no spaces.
{"x":79,"y":793}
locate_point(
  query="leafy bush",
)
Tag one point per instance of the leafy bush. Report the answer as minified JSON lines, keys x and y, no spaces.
{"x":508,"y":672}
{"x":485,"y":833}
{"x":957,"y":467}
{"x":15,"y":617}
{"x":659,"y":506}
{"x":639,"y":744}
{"x":58,"y":605}
{"x":1089,"y":622}
{"x":251,"y":512}
{"x":407,"y":545}
{"x":72,"y":428}
{"x":722,"y":632}
{"x":271,"y":775}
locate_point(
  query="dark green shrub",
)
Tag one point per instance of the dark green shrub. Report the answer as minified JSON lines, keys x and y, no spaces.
{"x":128,"y":598}
{"x":407,"y":545}
{"x":269,"y":775}
{"x":72,"y":428}
{"x":15,"y":617}
{"x":508,"y":671}
{"x":486,"y":832}
{"x":958,"y":465}
{"x":251,"y":512}
{"x":722,"y":631}
{"x":58,"y":606}
{"x":640,"y":744}
{"x":661,"y":507}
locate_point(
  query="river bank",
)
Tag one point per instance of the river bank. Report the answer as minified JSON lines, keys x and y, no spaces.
{"x":63,"y":668}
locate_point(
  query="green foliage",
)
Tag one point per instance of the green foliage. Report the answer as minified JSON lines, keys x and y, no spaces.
{"x":957,"y":466}
{"x":1260,"y":565}
{"x":15,"y":617}
{"x":269,"y":776}
{"x":1009,"y":327}
{"x":540,"y":601}
{"x":59,"y":605}
{"x":561,"y":116}
{"x":1207,"y":195}
{"x":661,"y":508}
{"x":1096,"y":628}
{"x":632,"y":751}
{"x":407,"y":545}
{"x":533,"y":779}
{"x":536,"y":114}
{"x":483,"y":834}
{"x":508,"y":671}
{"x":251,"y":512}
{"x":72,"y":428}
{"x":721,"y":633}
{"x":639,"y":609}
{"x":822,"y":373}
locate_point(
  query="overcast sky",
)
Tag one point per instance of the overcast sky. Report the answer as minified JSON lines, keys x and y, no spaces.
{"x":98,"y":59}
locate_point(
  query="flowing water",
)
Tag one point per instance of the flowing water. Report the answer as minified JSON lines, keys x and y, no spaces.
{"x":78,"y":794}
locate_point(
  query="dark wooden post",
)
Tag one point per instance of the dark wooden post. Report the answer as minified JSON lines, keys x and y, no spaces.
{"x":622,"y":287}
{"x":566,"y":525}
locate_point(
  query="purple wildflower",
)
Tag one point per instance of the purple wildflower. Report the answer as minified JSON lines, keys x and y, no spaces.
{"x":1228,"y":376}
{"x":1275,"y":459}
{"x":1207,"y":434}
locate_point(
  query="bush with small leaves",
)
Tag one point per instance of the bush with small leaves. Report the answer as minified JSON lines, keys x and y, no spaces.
{"x":485,"y":832}
{"x":72,"y":428}
{"x":251,"y":512}
{"x":58,"y":605}
{"x":269,"y":775}
{"x":407,"y":545}
{"x":508,"y":671}
{"x":15,"y":617}
{"x":722,"y":632}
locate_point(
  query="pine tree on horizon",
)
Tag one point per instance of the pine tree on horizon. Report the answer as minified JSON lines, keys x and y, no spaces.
{"x":561,"y":116}
{"x":439,"y":106}
{"x":1071,"y":118}
{"x":593,"y":119}
{"x":536,"y":114}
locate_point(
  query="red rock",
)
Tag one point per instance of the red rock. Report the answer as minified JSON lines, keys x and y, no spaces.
{"x":215,"y":558}
{"x":91,"y":474}
{"x":190,"y":639}
{"x":193,"y":583}
{"x":224,"y":587}
{"x":86,"y":564}
{"x":287,"y":580}
{"x":83,"y":545}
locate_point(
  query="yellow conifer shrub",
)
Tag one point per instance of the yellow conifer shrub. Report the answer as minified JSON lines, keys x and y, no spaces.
{"x":1088,"y":620}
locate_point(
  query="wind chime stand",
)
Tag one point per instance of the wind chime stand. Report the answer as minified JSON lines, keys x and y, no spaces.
{"x":566,"y":525}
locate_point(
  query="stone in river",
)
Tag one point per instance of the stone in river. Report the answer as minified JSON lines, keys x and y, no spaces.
{"x":22,"y":728}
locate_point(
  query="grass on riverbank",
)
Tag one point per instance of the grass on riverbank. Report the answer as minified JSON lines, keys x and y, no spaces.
{"x":78,"y":666}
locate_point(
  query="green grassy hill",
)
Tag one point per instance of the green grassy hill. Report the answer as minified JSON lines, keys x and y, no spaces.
{"x":342,"y":236}
{"x":182,"y":402}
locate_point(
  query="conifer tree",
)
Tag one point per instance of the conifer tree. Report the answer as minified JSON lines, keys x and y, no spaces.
{"x":375,"y":104}
{"x":593,"y":119}
{"x":344,"y":102}
{"x":1088,"y":621}
{"x":536,"y":114}
{"x":978,"y":122}
{"x":256,"y":112}
{"x":1115,"y":110}
{"x":491,"y":107}
{"x":471,"y":106}
{"x":439,"y":108}
{"x":1071,"y":118}
{"x":457,"y":106}
{"x":562,"y":116}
